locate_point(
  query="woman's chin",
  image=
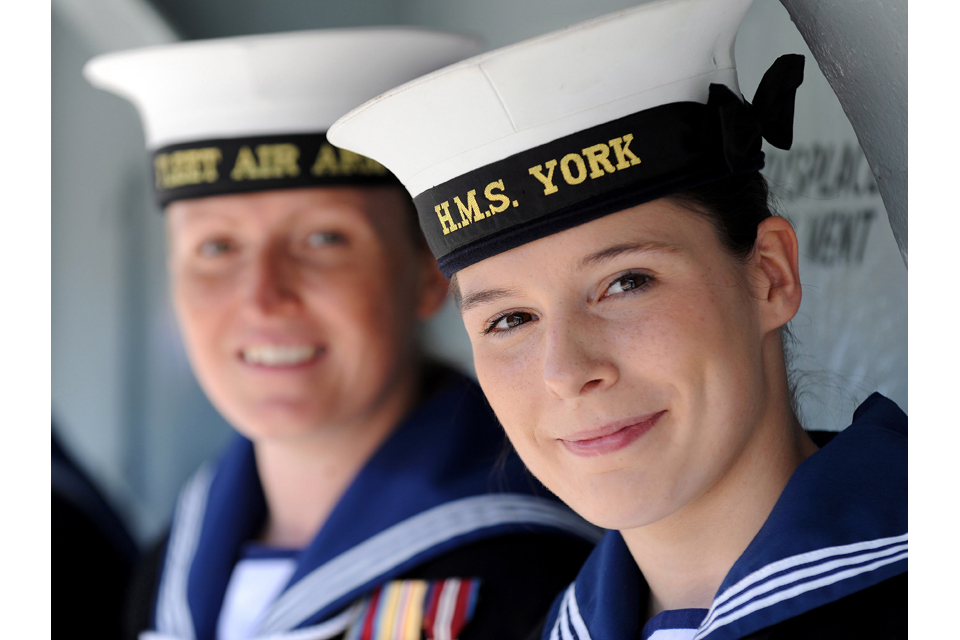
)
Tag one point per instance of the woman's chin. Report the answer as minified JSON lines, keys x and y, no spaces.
{"x":619,"y":518}
{"x":279,"y":421}
{"x":615,"y":505}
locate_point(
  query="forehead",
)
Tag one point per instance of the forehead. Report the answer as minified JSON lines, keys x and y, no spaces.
{"x":661,"y":226}
{"x":382,"y":208}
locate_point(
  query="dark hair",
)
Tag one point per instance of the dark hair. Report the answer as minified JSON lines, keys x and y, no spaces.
{"x":735,"y":205}
{"x":413,"y":220}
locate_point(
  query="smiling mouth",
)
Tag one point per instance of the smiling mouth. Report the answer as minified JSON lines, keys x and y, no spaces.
{"x":612,"y":437}
{"x":276,"y":355}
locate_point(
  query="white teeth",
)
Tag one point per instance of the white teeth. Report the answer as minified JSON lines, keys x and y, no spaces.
{"x":275,"y":355}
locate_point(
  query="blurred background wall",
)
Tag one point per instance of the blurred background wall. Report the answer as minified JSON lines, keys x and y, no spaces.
{"x":124,"y":398}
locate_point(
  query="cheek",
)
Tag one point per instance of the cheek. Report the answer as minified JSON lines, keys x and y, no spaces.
{"x":203,"y":321}
{"x":373,"y":315}
{"x":512,"y":381}
{"x":205,"y":304}
{"x":704,"y":353}
{"x":509,"y":377}
{"x":201,"y":306}
{"x":693,"y":332}
{"x":725,"y":342}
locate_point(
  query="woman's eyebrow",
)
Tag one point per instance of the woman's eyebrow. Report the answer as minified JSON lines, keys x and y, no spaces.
{"x":599,"y":257}
{"x":482,"y":297}
{"x":472,"y":300}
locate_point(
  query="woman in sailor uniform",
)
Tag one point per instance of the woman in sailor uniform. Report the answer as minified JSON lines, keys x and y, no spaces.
{"x":626,"y":287}
{"x":368,"y":494}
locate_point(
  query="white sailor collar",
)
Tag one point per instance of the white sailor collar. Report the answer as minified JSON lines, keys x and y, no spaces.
{"x":839,"y":526}
{"x":434,"y":485}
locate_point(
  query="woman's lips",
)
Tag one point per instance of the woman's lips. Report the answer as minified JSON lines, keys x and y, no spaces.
{"x":611,"y":437}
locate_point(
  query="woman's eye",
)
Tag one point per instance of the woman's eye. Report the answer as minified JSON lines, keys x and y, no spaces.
{"x":325,"y":238}
{"x":510,"y":321}
{"x":215,"y":248}
{"x":626,"y":283}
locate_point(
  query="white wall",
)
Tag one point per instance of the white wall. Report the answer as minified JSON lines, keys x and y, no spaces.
{"x":90,"y":216}
{"x":852,"y":324}
{"x":861,"y":48}
{"x":124,"y":399}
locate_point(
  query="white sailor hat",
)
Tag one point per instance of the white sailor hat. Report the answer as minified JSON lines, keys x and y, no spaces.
{"x":250,"y":113}
{"x":537,"y":137}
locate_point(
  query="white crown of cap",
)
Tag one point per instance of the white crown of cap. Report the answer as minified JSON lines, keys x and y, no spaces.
{"x":495,"y":105}
{"x":297,"y":82}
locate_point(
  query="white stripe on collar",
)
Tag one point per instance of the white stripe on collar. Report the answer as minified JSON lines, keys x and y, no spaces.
{"x":173,"y":611}
{"x":389,"y":548}
{"x":579,"y":626}
{"x":555,"y":631}
{"x":875,"y":553}
{"x":569,"y":623}
{"x":564,"y":621}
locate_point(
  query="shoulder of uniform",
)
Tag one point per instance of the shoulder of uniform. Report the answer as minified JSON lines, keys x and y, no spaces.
{"x":879,"y":611}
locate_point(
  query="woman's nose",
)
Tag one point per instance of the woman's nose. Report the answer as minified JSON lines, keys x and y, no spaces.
{"x":274,"y":282}
{"x":576,"y":361}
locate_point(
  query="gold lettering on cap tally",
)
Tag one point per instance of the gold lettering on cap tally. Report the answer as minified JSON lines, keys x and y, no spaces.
{"x":503,"y":199}
{"x":573,"y":168}
{"x":470,"y":211}
{"x":597,"y":155}
{"x":624,"y":152}
{"x":470,"y":208}
{"x":271,"y":161}
{"x":187,"y":166}
{"x":568,"y":177}
{"x":446,"y":221}
{"x":547,"y":180}
{"x":332,"y":161}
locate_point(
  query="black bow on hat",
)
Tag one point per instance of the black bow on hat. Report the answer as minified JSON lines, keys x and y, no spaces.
{"x":770,"y":116}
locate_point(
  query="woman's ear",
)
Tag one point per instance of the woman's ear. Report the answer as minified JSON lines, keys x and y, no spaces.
{"x":433,"y":286}
{"x":778,"y":283}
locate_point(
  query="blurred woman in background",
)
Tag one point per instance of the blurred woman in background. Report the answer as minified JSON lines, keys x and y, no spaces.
{"x":365,"y":494}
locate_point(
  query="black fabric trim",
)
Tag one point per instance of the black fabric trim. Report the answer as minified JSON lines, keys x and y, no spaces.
{"x":248,"y":164}
{"x":653,"y":153}
{"x":574,"y":215}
